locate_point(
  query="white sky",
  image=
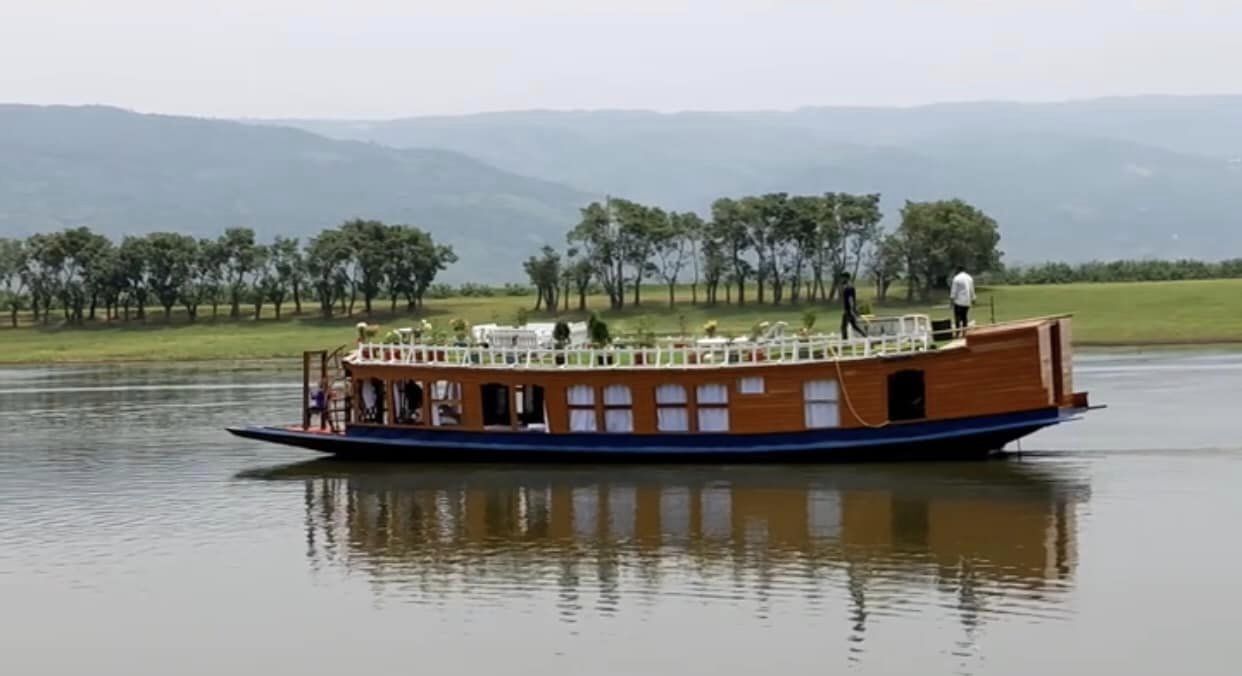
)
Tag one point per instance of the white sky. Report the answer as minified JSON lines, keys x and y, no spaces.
{"x":389,"y":58}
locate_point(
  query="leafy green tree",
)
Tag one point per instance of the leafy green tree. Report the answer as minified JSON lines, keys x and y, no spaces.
{"x":283,"y":272}
{"x":213,"y":267}
{"x":544,"y":272}
{"x":729,"y":228}
{"x":135,"y":256}
{"x":674,"y":239}
{"x":940,"y":236}
{"x":242,"y":260}
{"x":581,"y":271}
{"x":327,"y":258}
{"x":887,"y":262}
{"x":638,"y":230}
{"x":369,"y":248}
{"x":263,"y":279}
{"x":599,"y":240}
{"x":799,"y":240}
{"x":171,"y":258}
{"x":78,"y":254}
{"x":42,"y":273}
{"x":12,"y":263}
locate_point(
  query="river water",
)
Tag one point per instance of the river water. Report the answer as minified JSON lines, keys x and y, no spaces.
{"x":137,"y":537}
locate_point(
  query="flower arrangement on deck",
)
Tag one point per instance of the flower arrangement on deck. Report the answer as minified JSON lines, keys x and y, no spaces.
{"x":461,"y":329}
{"x":710,"y":328}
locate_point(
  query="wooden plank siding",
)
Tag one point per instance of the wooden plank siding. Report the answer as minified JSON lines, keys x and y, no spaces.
{"x":997,"y":370}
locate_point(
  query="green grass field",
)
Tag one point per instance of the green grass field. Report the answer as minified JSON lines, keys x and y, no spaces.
{"x":1132,"y":314}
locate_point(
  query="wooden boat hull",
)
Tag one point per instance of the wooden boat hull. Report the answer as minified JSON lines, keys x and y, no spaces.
{"x":960,"y":438}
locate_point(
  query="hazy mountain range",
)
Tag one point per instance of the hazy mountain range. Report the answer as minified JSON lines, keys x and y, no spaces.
{"x":1108,"y":178}
{"x":121,"y":172}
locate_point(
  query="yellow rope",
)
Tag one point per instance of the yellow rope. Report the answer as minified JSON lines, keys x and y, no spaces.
{"x":846,"y":394}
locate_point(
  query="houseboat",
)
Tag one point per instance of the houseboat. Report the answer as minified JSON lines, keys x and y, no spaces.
{"x":901,"y":391}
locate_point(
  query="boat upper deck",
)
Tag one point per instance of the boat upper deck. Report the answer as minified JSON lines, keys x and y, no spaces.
{"x":912,"y":334}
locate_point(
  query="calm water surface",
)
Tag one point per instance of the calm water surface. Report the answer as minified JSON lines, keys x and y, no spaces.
{"x":136,"y":537}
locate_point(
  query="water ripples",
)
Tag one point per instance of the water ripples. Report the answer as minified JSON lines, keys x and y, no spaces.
{"x":119,"y":483}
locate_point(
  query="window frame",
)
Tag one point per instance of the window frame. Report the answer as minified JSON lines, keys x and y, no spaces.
{"x":808,"y":402}
{"x":683,"y":405}
{"x":700,"y":406}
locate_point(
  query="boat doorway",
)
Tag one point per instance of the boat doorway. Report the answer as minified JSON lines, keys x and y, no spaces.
{"x":495,"y":398}
{"x":907,"y":396}
{"x":532,"y":414}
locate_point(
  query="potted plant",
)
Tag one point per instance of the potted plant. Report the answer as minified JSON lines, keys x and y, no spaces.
{"x":391,"y":338}
{"x":461,"y":329}
{"x":560,"y":337}
{"x":646,"y":339}
{"x":366,"y":334}
{"x":710,"y":328}
{"x":808,"y":322}
{"x":439,"y":339}
{"x":601,"y":338}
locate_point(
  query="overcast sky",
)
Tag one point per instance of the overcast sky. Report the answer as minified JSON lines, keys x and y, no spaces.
{"x":389,"y":58}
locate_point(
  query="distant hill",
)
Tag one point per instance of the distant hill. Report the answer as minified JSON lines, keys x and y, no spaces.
{"x":1123,"y":177}
{"x":121,"y":172}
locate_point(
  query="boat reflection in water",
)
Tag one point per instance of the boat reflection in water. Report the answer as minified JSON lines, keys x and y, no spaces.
{"x":975,"y":538}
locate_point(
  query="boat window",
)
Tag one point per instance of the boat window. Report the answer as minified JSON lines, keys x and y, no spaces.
{"x":494,"y":398}
{"x":407,"y":398}
{"x":750,"y":385}
{"x":671,"y":412}
{"x":906,"y":396}
{"x":581,"y":401}
{"x":618,"y":409}
{"x":532,"y":413}
{"x":371,"y":401}
{"x":713,"y":408}
{"x":820,"y":403}
{"x":445,"y":403}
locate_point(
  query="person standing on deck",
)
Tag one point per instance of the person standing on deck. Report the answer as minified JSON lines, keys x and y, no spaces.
{"x":962,"y":295}
{"x":849,"y":309}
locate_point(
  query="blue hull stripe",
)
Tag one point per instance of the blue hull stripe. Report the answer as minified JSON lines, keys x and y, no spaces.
{"x":908,"y":435}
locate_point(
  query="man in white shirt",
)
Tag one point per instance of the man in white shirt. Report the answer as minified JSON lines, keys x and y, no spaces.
{"x":962,"y":295}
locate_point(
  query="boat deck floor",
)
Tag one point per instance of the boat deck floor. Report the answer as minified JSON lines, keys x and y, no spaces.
{"x":314,"y":430}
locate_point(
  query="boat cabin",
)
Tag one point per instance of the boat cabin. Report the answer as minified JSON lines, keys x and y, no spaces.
{"x":714,"y":388}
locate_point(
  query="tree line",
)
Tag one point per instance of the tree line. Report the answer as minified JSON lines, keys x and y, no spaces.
{"x":787,"y":248}
{"x":1120,"y":271}
{"x":84,"y":274}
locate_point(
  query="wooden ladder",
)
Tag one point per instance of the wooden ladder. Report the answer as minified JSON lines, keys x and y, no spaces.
{"x":321,"y":366}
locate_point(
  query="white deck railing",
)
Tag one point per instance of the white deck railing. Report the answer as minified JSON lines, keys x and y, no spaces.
{"x":668,"y":355}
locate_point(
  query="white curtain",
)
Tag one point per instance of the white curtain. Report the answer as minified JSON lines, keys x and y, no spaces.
{"x":672,"y":419}
{"x":713,"y":420}
{"x":581,"y":395}
{"x":398,"y":394}
{"x":445,"y":390}
{"x":368,"y":394}
{"x":617,"y":395}
{"x":582,"y":420}
{"x":670,"y":394}
{"x":822,"y":414}
{"x":713,"y":394}
{"x":750,"y":385}
{"x":819,"y":390}
{"x":619,"y":420}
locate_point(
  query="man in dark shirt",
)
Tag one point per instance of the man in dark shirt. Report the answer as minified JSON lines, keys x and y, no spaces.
{"x":849,"y":310}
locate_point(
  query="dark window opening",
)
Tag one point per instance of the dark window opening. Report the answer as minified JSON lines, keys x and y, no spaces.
{"x":907,"y":398}
{"x":530,"y":408}
{"x":408,"y":400}
{"x":371,"y":401}
{"x":495,"y":405}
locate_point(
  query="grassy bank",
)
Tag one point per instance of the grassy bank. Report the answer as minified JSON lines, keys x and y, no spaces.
{"x":1160,"y":313}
